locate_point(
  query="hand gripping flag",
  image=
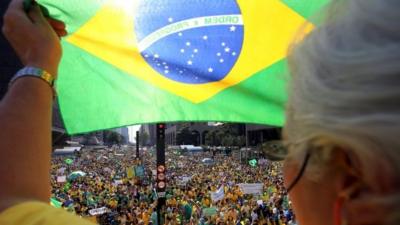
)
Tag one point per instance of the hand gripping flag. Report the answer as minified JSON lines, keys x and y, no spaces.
{"x":141,"y":61}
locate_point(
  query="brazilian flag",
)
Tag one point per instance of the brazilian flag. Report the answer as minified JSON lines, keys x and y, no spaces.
{"x":142,"y":61}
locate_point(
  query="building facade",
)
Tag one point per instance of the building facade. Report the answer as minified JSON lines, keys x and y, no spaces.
{"x":258,"y":134}
{"x":124,"y":132}
{"x":150,"y":130}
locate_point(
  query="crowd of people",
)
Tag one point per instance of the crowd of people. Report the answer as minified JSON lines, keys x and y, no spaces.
{"x":98,"y":185}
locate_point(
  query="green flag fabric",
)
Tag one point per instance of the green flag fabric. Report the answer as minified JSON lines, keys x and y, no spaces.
{"x":54,"y":202}
{"x":128,"y":62}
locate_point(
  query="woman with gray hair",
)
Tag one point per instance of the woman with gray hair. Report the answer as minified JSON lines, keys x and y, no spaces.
{"x":343,"y":117}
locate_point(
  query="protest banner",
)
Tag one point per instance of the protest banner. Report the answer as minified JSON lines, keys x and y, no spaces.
{"x":98,"y":211}
{"x":254,"y":188}
{"x":218,"y":195}
{"x":61,"y":170}
{"x":118,"y":182}
{"x":130,"y":173}
{"x":182,"y":181}
{"x":139,"y":171}
{"x":61,"y":179}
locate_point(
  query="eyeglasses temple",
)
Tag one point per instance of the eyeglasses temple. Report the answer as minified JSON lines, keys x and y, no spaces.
{"x":300,"y":174}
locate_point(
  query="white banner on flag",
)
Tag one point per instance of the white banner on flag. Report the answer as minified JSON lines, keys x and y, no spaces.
{"x":61,"y":179}
{"x":98,"y":211}
{"x":218,"y":195}
{"x":254,"y":188}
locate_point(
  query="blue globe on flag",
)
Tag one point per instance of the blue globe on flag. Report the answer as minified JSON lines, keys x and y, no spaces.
{"x":191,"y":41}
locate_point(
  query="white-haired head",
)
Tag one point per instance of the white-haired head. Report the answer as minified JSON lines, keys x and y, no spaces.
{"x":345,"y":85}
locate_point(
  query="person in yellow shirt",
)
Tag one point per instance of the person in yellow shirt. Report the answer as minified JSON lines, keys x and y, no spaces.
{"x":206,"y":202}
{"x":113,"y":203}
{"x":146,"y":217}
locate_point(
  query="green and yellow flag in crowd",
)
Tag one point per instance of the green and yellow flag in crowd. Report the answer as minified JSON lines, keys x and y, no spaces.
{"x":140,"y":61}
{"x":54,"y":202}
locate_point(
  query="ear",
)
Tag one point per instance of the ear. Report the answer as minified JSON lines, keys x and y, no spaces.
{"x":347,"y":168}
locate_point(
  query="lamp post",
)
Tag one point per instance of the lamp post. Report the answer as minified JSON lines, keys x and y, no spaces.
{"x":137,"y":145}
{"x":161,"y":169}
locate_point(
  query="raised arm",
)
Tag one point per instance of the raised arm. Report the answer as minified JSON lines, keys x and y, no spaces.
{"x":25,"y":111}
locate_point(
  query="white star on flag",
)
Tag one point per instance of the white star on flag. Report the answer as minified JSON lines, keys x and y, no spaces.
{"x":189,"y":62}
{"x":221,"y":60}
{"x":227,"y":49}
{"x":180,"y":34}
{"x":182,"y":50}
{"x":156,"y":56}
{"x":166,"y":71}
{"x":233,"y":53}
{"x":195,"y":50}
{"x":223,"y":44}
{"x":205,"y":37}
{"x":187,"y":43}
{"x":210,"y":70}
{"x":219,"y":54}
{"x":232,"y":28}
{"x":170,"y":19}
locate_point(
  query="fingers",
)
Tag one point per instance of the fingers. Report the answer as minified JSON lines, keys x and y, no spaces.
{"x":16,"y":5}
{"x":15,"y":14}
{"x":61,"y":33}
{"x":56,"y":24}
{"x":38,"y":18}
{"x":14,"y":20}
{"x":36,"y":15}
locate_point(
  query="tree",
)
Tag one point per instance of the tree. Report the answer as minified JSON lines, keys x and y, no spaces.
{"x":226,"y":135}
{"x":227,"y":140}
{"x":185,"y":136}
{"x":209,"y":138}
{"x":113,"y":137}
{"x":240,"y":141}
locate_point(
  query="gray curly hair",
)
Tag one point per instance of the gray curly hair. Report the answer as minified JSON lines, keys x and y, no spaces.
{"x":346,"y":86}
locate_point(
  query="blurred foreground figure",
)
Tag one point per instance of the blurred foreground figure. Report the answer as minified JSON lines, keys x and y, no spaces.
{"x":343,"y":117}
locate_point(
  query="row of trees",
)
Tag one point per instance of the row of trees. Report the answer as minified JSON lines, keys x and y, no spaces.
{"x":109,"y":137}
{"x":225,"y":135}
{"x":112,"y":137}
